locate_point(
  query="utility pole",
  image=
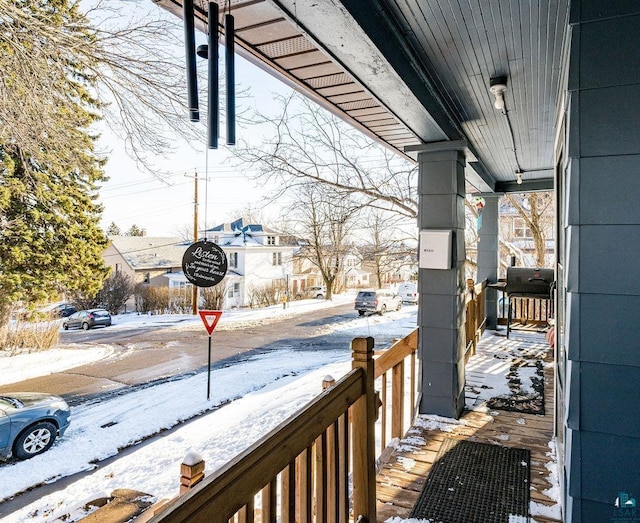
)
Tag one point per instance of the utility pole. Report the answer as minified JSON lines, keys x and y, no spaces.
{"x":194,"y":298}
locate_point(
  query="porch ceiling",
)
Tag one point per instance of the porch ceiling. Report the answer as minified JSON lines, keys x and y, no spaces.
{"x":415,"y":72}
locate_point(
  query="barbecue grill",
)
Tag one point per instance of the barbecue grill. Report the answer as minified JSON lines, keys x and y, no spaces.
{"x":526,"y":282}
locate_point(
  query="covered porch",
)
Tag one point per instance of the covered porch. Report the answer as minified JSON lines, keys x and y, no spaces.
{"x":360,"y":452}
{"x":401,"y":479}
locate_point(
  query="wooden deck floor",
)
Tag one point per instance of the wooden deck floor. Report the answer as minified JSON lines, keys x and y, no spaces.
{"x":401,"y":478}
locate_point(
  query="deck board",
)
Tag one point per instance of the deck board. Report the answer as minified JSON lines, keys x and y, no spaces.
{"x":400,"y":480}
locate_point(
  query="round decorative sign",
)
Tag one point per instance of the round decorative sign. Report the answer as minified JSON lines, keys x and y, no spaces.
{"x":204,"y":264}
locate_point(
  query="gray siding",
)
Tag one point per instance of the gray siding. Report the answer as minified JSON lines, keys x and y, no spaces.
{"x":602,"y":230}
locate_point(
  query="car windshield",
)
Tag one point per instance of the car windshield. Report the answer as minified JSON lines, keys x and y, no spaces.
{"x":10,"y":402}
{"x":362,"y":295}
{"x":100,"y":313}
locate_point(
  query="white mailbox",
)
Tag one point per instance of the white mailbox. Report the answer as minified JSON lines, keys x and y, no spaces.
{"x":435,"y":249}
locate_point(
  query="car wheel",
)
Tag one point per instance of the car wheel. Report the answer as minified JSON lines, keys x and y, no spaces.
{"x":360,"y":313}
{"x":35,"y":440}
{"x":85,"y":326}
{"x":320,"y":296}
{"x":383,"y":310}
{"x":65,"y":327}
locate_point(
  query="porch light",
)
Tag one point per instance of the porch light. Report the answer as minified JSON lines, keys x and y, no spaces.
{"x":497,"y":86}
{"x":519,"y":177}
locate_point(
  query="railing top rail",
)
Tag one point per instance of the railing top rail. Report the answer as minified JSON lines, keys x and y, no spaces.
{"x":396,"y":353}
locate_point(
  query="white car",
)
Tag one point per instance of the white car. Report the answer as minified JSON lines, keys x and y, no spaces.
{"x":408,"y":292}
{"x":316,"y":292}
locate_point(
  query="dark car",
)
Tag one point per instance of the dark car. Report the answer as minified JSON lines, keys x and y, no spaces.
{"x":87,"y":319}
{"x":64,"y":309}
{"x":30,"y":422}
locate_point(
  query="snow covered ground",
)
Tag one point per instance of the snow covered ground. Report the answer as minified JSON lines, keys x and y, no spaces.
{"x":247,"y":400}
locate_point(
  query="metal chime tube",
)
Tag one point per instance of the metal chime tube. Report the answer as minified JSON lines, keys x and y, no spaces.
{"x":214,"y":94}
{"x":190,"y":51}
{"x":230,"y":64}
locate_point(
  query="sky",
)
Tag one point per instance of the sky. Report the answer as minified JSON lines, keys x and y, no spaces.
{"x":282,"y":381}
{"x":165,"y":208}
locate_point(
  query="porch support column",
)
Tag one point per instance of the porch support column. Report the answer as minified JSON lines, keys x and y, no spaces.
{"x":488,"y":248}
{"x":441,"y":189}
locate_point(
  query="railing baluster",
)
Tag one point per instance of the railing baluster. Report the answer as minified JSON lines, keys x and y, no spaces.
{"x":383,"y":407}
{"x":330,"y":450}
{"x":288,"y":494}
{"x":304,"y":486}
{"x":321,"y":478}
{"x":343,"y":469}
{"x":397,"y":395}
{"x":269,"y":501}
{"x":413,"y":386}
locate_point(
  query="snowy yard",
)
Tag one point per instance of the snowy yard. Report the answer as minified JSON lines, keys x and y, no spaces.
{"x":256,"y":395}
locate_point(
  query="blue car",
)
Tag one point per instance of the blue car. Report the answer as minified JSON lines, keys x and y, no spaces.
{"x":30,"y":422}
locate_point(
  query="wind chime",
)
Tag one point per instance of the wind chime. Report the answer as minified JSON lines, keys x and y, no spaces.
{"x":209,"y":51}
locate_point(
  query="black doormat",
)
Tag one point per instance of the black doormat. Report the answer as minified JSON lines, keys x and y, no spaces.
{"x":476,"y":483}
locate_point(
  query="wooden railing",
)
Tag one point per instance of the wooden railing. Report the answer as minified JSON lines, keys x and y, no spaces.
{"x":475,"y":316}
{"x":300,"y":471}
{"x":391,"y":368}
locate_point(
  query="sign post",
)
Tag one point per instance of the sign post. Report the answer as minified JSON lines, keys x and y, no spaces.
{"x":210,"y":320}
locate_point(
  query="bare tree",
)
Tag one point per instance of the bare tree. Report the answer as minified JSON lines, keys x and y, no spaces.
{"x":385,"y":250}
{"x":536,"y":209}
{"x":131,"y":58}
{"x":305,"y":144}
{"x":325,"y":219}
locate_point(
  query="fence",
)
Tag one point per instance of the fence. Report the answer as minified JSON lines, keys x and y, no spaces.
{"x":319,"y":465}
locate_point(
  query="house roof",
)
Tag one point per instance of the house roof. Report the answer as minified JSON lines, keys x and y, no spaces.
{"x":239,"y":226}
{"x":144,"y":252}
{"x":239,"y":234}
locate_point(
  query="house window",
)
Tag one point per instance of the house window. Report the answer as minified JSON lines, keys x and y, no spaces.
{"x":147,"y":277}
{"x":520,"y":229}
{"x":234,"y":290}
{"x":271,"y":240}
{"x":233,"y":260}
{"x":277,"y":258}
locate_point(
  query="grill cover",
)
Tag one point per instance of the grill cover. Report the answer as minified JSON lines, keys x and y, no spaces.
{"x":529,"y":282}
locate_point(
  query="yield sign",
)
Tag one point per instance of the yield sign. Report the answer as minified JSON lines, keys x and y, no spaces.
{"x":210,"y":319}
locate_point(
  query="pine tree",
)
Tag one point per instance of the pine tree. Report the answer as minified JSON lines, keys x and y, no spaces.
{"x":50,"y":240}
{"x":113,"y":230}
{"x":134,"y":230}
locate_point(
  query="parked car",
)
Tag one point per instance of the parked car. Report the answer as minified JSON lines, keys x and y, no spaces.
{"x":408,"y":292}
{"x":316,"y":292}
{"x":64,"y":309}
{"x":30,"y":422}
{"x":377,"y":301}
{"x":87,"y":319}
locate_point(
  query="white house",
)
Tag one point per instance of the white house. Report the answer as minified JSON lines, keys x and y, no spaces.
{"x":257,"y":255}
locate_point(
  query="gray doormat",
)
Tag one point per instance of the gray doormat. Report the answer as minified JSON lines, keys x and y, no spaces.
{"x":476,"y":483}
